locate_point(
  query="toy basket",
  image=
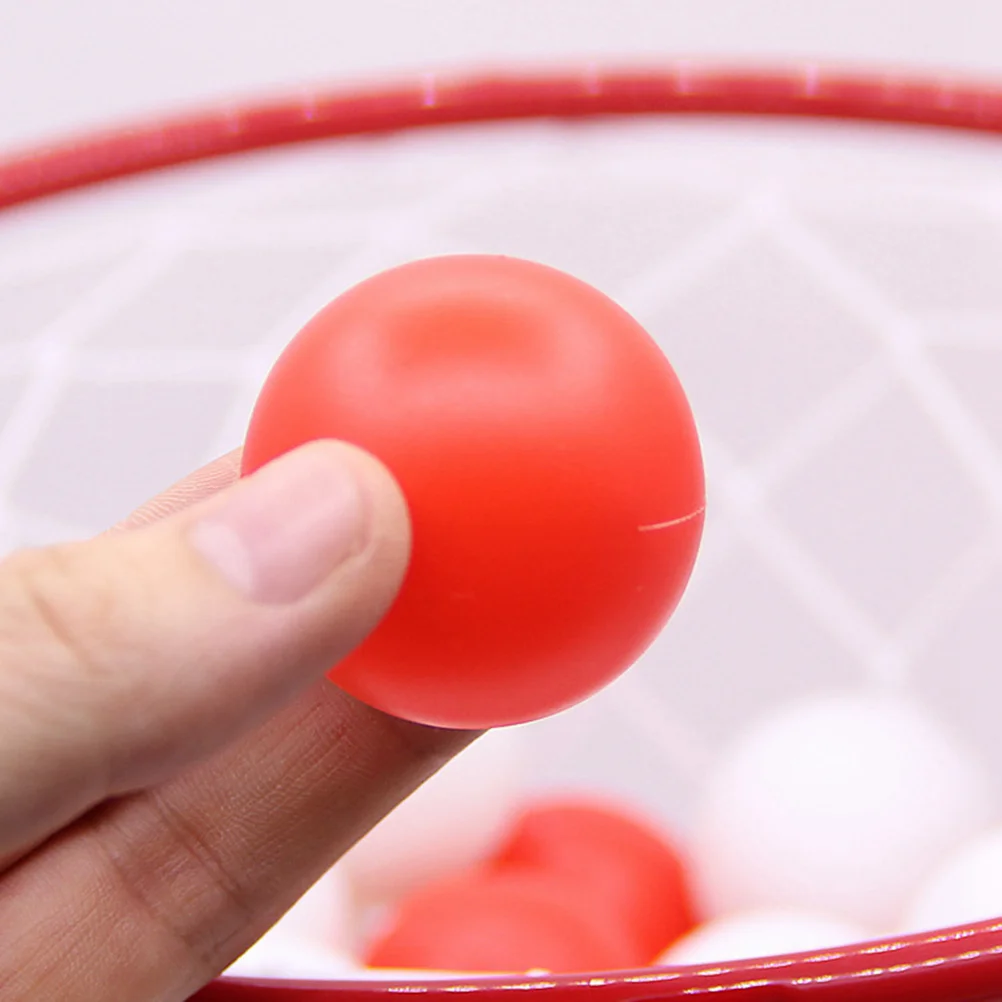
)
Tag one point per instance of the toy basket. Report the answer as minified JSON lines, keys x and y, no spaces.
{"x":819,"y":255}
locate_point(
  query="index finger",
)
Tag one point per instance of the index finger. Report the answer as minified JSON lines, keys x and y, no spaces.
{"x":151,"y":896}
{"x":197,"y":486}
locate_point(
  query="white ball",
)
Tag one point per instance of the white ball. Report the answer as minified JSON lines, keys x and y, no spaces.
{"x":451,"y":822}
{"x":281,"y":957}
{"x":966,"y":887}
{"x":839,"y":805}
{"x":765,"y":933}
{"x":311,"y":940}
{"x":323,"y":916}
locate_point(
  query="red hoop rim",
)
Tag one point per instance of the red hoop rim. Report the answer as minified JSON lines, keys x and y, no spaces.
{"x":809,"y":91}
{"x":959,"y":965}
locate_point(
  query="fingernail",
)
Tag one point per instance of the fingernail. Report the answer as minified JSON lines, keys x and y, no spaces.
{"x":282,"y":531}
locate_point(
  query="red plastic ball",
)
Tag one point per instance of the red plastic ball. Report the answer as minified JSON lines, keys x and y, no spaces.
{"x":552,"y":468}
{"x":616,"y":864}
{"x":502,"y":924}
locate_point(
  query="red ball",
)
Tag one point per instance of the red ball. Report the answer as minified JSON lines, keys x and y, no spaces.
{"x":617,"y":865}
{"x":552,"y":469}
{"x":502,"y":924}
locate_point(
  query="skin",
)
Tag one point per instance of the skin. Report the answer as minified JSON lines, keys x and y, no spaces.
{"x":175,"y":769}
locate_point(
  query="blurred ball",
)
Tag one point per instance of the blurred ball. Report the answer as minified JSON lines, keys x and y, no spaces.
{"x":493,"y":922}
{"x":837,"y":804}
{"x":455,"y":820}
{"x":614,"y":861}
{"x":765,"y":933}
{"x":409,"y":974}
{"x":965,"y":888}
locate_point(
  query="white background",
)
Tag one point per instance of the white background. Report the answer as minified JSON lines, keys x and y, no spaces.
{"x":72,"y":63}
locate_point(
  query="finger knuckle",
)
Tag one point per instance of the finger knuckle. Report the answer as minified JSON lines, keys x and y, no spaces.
{"x":54,"y":613}
{"x":227,"y":908}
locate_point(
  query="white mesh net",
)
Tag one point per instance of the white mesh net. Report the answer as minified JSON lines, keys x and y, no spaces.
{"x":830,"y":295}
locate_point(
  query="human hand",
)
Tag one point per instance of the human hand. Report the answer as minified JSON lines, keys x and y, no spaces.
{"x":174,"y":769}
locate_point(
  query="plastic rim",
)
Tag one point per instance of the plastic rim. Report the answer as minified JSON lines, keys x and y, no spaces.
{"x":960,"y":964}
{"x":433,"y":100}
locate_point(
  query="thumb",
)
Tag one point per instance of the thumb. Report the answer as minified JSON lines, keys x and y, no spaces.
{"x":128,"y":657}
